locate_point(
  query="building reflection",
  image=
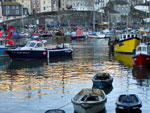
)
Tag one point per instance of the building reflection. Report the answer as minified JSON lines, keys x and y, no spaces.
{"x":33,"y":79}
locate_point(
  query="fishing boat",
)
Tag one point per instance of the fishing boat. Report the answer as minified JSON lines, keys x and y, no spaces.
{"x":101,"y":80}
{"x":142,"y":55}
{"x":89,"y":101}
{"x":35,"y":49}
{"x":126,"y":43}
{"x":46,"y":34}
{"x":78,"y":34}
{"x":128,"y":102}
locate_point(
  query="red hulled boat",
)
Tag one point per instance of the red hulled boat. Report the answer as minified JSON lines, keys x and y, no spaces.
{"x":142,"y":55}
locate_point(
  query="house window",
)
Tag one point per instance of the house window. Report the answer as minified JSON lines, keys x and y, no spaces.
{"x":7,"y":12}
{"x":13,"y":7}
{"x":7,"y":7}
{"x":44,"y":8}
{"x":17,"y":7}
{"x":43,"y":2}
{"x":17,"y":11}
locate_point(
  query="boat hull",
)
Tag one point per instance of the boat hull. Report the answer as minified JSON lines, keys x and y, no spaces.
{"x":89,"y":109}
{"x":38,"y":54}
{"x":102,"y":84}
{"x":81,"y":105}
{"x":78,"y":37}
{"x":126,"y":46}
{"x":128,"y":102}
{"x":102,"y":80}
{"x":141,"y":60}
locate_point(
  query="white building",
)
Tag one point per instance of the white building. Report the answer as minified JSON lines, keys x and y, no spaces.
{"x":26,"y":4}
{"x":88,"y":5}
{"x":45,"y":6}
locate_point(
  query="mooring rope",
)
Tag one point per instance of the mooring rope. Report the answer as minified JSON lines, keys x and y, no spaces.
{"x":64,"y":105}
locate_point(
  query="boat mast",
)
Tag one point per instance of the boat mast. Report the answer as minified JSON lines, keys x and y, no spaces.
{"x":93,"y":16}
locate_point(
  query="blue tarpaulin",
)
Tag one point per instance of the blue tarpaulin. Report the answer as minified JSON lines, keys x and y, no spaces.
{"x":15,"y":35}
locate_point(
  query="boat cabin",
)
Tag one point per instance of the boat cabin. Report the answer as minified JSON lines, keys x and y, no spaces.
{"x":127,"y":36}
{"x":143,"y":48}
{"x":34,"y":45}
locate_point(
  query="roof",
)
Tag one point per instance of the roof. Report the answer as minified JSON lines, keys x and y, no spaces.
{"x":119,"y":2}
{"x":11,"y":3}
{"x":111,"y":10}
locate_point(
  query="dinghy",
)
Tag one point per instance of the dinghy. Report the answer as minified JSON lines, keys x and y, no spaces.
{"x":101,"y":80}
{"x":89,"y":101}
{"x":128,"y":102}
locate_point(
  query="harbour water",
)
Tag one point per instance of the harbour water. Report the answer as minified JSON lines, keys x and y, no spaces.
{"x":39,"y":85}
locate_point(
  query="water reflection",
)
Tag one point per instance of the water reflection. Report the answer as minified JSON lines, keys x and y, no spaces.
{"x":124,"y":59}
{"x":36,"y":86}
{"x":19,"y":64}
{"x":4,"y":61}
{"x":142,"y":75}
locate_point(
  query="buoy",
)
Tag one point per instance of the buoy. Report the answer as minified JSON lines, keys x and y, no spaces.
{"x":44,"y":53}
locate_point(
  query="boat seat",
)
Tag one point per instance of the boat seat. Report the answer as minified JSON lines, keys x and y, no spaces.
{"x":129,"y":99}
{"x":90,"y":98}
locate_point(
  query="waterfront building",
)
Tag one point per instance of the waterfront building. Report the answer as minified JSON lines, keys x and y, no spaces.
{"x":45,"y":6}
{"x":11,"y":10}
{"x":26,"y":4}
{"x":78,"y":5}
{"x":62,"y":5}
{"x":35,"y":6}
{"x":120,"y":6}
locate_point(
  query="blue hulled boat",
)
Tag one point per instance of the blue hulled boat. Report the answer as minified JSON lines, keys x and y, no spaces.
{"x":102,"y":80}
{"x":35,"y":49}
{"x":128,"y":102}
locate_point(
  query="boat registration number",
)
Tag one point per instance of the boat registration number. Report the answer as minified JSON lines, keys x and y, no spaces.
{"x":20,"y":52}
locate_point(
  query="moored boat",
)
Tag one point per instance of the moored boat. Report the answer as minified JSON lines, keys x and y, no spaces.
{"x":97,"y":35}
{"x":35,"y":49}
{"x":89,"y":101}
{"x":101,"y":80}
{"x":126,"y":43}
{"x":128,"y":102}
{"x":78,"y":34}
{"x":142,"y":55}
